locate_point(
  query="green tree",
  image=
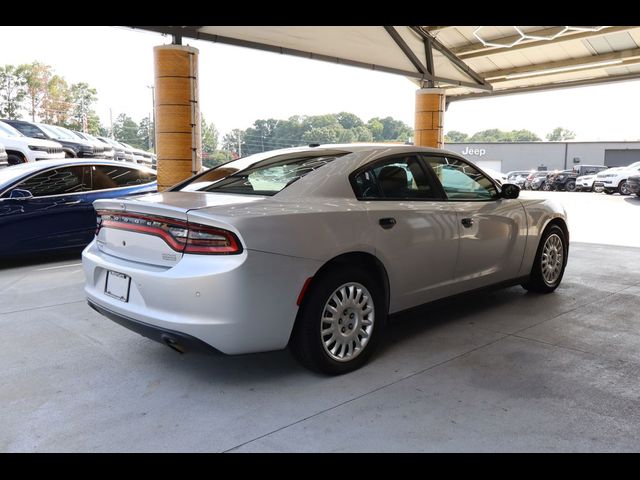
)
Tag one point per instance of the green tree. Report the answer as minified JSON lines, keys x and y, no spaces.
{"x":56,"y":106}
{"x":523,"y":136}
{"x":13,"y":90}
{"x":454,"y":136}
{"x":232,"y":140}
{"x":82,"y":97}
{"x":37,"y":76}
{"x":349,"y":121}
{"x":362,"y":134}
{"x":327,"y":134}
{"x":126,"y":130}
{"x":146,"y":133}
{"x":560,"y":134}
{"x":209,"y":134}
{"x":376,"y":128}
{"x":497,"y":135}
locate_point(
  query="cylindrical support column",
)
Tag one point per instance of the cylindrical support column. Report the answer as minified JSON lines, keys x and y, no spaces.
{"x":178,"y":136}
{"x":428,"y":130}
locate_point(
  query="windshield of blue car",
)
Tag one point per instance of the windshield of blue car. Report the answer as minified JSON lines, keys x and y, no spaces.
{"x":8,"y":131}
{"x":265,"y":177}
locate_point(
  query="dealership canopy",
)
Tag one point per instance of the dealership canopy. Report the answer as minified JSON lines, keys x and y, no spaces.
{"x":467,"y":61}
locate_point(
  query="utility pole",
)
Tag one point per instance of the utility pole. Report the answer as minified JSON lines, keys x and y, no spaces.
{"x":153,"y":103}
{"x":239,"y":144}
{"x":111,"y":123}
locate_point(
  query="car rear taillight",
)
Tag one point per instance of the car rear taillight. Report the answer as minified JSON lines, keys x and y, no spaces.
{"x":181,"y":236}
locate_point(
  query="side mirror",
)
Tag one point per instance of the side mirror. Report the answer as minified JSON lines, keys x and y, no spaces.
{"x":509,"y":190}
{"x":18,"y":194}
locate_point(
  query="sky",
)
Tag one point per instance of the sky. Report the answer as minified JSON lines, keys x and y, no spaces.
{"x":240,"y":85}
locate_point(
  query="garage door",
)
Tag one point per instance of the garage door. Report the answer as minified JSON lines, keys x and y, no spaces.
{"x":621,"y":158}
{"x":492,"y":164}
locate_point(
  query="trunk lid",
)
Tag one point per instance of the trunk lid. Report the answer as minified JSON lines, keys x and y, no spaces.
{"x":150,"y":216}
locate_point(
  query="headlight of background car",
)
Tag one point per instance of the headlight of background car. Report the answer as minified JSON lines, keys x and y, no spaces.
{"x":38,"y":148}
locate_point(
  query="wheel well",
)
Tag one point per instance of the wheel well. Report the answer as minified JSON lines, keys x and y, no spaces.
{"x":363,"y":260}
{"x":18,"y":153}
{"x":563,"y":226}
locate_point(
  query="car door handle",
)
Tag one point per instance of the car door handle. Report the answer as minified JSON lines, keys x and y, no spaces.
{"x":467,"y":222}
{"x":387,"y":223}
{"x":73,"y":202}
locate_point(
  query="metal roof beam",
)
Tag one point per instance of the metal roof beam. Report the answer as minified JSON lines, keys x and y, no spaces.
{"x":545,"y":87}
{"x":626,"y":57}
{"x":437,"y":29}
{"x":479,"y":50}
{"x":198,"y":35}
{"x":406,"y":49}
{"x":452,"y":57}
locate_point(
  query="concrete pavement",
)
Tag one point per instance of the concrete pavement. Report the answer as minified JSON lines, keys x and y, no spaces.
{"x":501,"y":371}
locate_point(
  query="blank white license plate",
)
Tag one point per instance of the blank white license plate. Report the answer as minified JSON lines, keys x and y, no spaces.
{"x":117,"y":285}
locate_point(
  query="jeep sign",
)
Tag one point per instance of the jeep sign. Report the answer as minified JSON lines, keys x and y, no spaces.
{"x":478,"y":152}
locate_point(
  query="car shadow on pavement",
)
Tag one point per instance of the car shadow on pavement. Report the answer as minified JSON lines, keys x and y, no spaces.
{"x":634,"y":200}
{"x":402,"y":327}
{"x":42,"y":259}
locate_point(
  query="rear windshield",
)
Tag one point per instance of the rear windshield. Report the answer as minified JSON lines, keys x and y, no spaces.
{"x":266,"y":177}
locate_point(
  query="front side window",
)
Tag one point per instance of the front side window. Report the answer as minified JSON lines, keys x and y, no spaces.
{"x":461,"y":180}
{"x":399,"y":178}
{"x":266,"y":177}
{"x":107,"y":176}
{"x":58,"y":181}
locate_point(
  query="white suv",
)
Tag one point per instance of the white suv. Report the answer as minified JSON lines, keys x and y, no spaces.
{"x":615,"y":179}
{"x":21,"y":149}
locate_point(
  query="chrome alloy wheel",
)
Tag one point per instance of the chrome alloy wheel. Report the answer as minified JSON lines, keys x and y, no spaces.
{"x":552,"y":259}
{"x":347,"y":322}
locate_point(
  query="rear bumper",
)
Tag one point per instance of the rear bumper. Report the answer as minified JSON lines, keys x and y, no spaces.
{"x":176,"y":340}
{"x":234,"y":303}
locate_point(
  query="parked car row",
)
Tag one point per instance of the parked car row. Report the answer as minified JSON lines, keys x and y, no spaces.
{"x":31,"y":141}
{"x":586,"y":178}
{"x":48,"y":205}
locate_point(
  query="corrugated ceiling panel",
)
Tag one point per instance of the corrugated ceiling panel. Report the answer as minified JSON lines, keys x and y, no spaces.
{"x":600,"y":45}
{"x":364,"y":44}
{"x":467,"y":32}
{"x":620,"y":41}
{"x":444,"y":68}
{"x":451,"y":37}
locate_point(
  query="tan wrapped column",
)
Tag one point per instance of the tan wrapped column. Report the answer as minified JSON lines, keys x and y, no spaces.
{"x":178,"y":136}
{"x":429,"y":118}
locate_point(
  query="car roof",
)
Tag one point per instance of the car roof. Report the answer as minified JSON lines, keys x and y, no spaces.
{"x":65,"y":162}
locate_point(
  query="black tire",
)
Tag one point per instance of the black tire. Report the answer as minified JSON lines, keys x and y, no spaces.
{"x":608,"y":192}
{"x":570,"y":186}
{"x":15,"y":159}
{"x":623,"y":189}
{"x":536,"y":281}
{"x":306,"y":342}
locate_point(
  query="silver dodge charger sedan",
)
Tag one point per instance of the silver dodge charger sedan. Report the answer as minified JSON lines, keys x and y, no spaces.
{"x":313,"y":248}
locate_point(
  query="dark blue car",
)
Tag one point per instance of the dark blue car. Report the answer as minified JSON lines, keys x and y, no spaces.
{"x":47,"y":205}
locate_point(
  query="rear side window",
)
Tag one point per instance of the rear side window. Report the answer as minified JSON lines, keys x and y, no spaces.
{"x":266,"y":177}
{"x":107,"y":176}
{"x":58,"y":181}
{"x":398,"y":178}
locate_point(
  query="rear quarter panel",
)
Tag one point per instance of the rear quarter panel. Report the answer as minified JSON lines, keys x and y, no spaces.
{"x":539,"y":212}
